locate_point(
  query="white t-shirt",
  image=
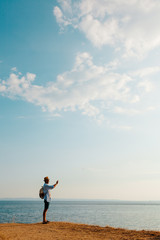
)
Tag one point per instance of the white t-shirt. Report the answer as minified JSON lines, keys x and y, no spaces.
{"x":47,"y":193}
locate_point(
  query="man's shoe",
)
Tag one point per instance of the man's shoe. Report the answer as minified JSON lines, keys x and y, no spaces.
{"x":46,"y":222}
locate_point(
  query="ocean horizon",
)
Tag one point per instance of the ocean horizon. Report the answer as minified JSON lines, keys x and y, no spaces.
{"x":83,"y":199}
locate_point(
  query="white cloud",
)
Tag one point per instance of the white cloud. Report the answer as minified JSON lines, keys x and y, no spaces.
{"x":99,"y":34}
{"x":135,"y":99}
{"x":128,"y":111}
{"x":14,"y":69}
{"x":122,"y":127}
{"x":146,"y":71}
{"x":30,"y":77}
{"x":59,"y":16}
{"x":146,"y":85}
{"x":2,"y":88}
{"x":131,"y":26}
{"x":94,"y":90}
{"x":132,"y":111}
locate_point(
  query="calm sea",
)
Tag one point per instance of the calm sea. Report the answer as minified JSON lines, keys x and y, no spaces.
{"x":130,"y":215}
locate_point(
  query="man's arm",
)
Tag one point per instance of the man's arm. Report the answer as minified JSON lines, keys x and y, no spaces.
{"x":47,"y":187}
{"x":55,"y":184}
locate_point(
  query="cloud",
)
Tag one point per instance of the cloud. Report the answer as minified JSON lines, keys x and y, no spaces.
{"x":130,"y":26}
{"x":92,"y":89}
{"x":145,"y":71}
{"x":122,"y":127}
{"x":14,"y":69}
{"x":146,"y":85}
{"x":59,"y":17}
{"x":132,"y":111}
{"x":129,"y":111}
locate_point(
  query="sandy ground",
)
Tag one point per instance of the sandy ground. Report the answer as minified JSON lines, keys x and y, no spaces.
{"x":64,"y":230}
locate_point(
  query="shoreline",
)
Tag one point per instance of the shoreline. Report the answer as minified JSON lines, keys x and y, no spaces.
{"x":75,"y":231}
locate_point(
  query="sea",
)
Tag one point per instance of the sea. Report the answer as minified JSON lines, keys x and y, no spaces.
{"x":119,"y":214}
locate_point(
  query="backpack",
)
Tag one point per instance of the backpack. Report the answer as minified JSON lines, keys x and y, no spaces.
{"x":41,"y":193}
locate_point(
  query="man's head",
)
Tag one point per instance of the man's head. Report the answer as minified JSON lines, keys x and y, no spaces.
{"x":46,"y":179}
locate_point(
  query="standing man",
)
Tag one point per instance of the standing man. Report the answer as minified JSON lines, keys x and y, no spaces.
{"x":47,"y":197}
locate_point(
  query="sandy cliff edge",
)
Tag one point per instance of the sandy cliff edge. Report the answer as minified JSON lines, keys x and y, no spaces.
{"x":65,"y":230}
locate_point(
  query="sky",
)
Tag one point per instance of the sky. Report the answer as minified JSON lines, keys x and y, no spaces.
{"x":79,"y":98}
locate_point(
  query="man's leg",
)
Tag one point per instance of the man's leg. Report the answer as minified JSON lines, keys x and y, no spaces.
{"x":46,"y":206}
{"x":44,"y":215}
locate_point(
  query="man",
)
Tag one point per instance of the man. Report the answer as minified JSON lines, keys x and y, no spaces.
{"x":47,"y":197}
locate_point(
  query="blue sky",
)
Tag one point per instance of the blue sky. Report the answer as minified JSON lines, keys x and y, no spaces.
{"x":79,"y":98}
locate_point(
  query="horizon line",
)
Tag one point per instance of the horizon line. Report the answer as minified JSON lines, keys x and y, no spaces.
{"x":75,"y":199}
